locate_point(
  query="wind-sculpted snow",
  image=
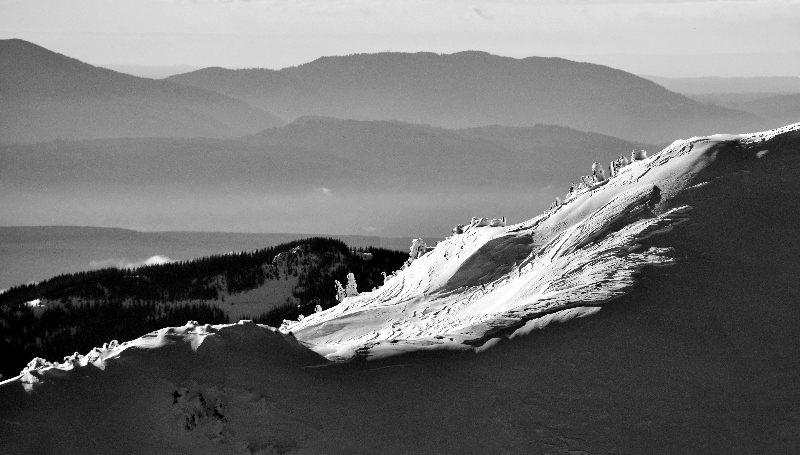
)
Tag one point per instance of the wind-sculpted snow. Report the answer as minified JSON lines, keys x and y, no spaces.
{"x":192,"y":335}
{"x":492,"y":281}
{"x":698,"y":358}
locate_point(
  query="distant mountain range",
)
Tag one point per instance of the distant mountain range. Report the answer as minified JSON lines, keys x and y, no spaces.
{"x":45,"y":96}
{"x":397,"y":153}
{"x":777,"y":108}
{"x":784,"y":108}
{"x":48,"y":96}
{"x":698,"y":85}
{"x":151,"y":71}
{"x":775,"y":99}
{"x":470,"y":89}
{"x":374,"y":141}
{"x":325,"y":174}
{"x":320,"y":151}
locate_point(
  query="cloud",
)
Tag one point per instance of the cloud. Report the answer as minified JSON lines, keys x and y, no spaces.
{"x":325,"y":191}
{"x":224,"y":1}
{"x":125,"y":264}
{"x":482,"y":14}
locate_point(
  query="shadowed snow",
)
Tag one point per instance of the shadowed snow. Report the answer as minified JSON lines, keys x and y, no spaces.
{"x":698,"y":358}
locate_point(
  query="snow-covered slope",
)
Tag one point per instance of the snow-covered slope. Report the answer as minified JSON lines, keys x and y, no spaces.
{"x":567,"y":262}
{"x":700,"y":357}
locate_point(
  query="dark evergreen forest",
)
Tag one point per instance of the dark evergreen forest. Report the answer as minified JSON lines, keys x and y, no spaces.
{"x":90,"y":308}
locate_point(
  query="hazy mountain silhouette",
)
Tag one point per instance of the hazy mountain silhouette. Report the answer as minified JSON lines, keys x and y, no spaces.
{"x":331,"y":174}
{"x":151,"y":71}
{"x":323,"y":151}
{"x":696,"y":85}
{"x":469,"y":89}
{"x":46,"y":96}
{"x":404,"y":152}
{"x":778,"y":108}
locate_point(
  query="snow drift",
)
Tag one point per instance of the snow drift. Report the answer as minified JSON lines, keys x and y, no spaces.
{"x":703,"y":362}
{"x":491,"y":280}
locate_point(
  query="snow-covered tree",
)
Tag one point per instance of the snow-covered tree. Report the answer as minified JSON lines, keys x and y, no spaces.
{"x":598,"y":173}
{"x":340,"y":292}
{"x":418,"y":248}
{"x":352,"y":289}
{"x":638,"y":155}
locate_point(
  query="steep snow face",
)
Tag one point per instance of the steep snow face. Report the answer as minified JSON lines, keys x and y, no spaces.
{"x":490,"y":281}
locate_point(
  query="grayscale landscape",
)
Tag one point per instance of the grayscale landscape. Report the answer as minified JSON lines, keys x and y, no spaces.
{"x":329,"y":227}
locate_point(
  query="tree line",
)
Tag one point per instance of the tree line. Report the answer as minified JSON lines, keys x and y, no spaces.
{"x":87,"y":309}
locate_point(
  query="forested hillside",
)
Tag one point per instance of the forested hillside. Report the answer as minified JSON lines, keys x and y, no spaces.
{"x":77,"y":312}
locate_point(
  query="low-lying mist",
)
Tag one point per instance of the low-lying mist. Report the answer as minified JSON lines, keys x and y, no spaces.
{"x":313,"y":211}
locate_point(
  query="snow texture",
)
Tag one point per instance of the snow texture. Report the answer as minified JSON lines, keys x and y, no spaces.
{"x":687,"y":376}
{"x":489,"y":280}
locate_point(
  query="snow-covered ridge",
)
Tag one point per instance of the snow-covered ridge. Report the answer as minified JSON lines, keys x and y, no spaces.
{"x":491,"y":280}
{"x":488,"y":281}
{"x":192,"y":335}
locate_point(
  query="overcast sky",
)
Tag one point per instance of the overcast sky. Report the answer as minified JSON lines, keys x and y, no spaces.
{"x":646,"y":37}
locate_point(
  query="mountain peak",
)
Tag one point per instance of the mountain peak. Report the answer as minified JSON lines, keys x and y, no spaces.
{"x":48,"y":95}
{"x":476,"y":88}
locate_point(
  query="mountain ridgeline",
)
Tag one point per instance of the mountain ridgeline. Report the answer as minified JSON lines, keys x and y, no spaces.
{"x":46,"y":96}
{"x":76,"y":312}
{"x":740,"y":85}
{"x":323,"y":151}
{"x":469,"y":89}
{"x":775,"y":99}
{"x":379,"y":175}
{"x":49,"y":96}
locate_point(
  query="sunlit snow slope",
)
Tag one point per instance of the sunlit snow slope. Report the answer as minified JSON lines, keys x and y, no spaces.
{"x":489,"y":281}
{"x":701,"y":357}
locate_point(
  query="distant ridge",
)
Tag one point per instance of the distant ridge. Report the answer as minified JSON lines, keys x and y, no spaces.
{"x":465,"y":157}
{"x":316,"y":174}
{"x":28,"y":251}
{"x":697,"y":85}
{"x":46,"y":95}
{"x":469,"y":89}
{"x":150,"y":71}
